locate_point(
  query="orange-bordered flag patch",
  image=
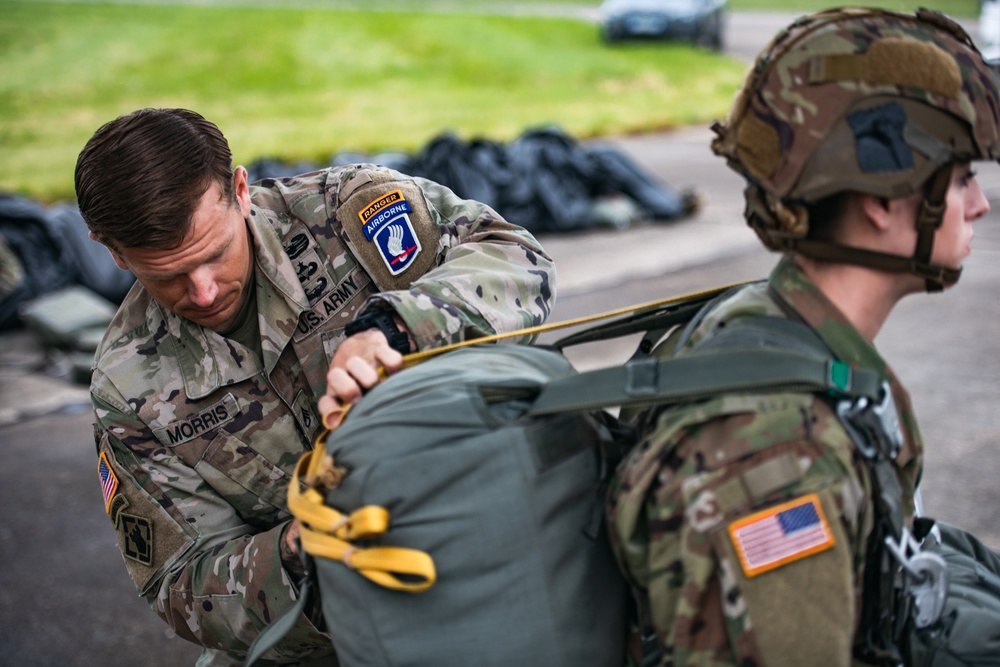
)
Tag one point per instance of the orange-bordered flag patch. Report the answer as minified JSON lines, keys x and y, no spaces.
{"x":109,"y":482}
{"x":780,"y":535}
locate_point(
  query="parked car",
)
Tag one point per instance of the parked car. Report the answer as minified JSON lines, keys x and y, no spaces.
{"x":989,"y":33}
{"x":698,"y":21}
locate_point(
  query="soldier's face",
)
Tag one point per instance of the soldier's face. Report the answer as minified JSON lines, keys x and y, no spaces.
{"x":965,"y":204}
{"x":205,"y":279}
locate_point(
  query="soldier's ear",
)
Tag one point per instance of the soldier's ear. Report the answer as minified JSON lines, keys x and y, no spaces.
{"x":118,"y":260}
{"x":115,"y":256}
{"x":241,"y":188}
{"x":876,"y":210}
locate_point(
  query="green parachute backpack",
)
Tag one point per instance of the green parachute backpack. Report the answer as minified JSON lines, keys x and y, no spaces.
{"x":455,"y":515}
{"x":968,"y":632}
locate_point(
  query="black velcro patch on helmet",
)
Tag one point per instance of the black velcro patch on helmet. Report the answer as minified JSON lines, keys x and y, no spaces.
{"x":878,"y":139}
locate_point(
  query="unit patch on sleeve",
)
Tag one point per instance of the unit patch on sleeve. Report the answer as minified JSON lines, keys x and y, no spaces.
{"x":780,"y":535}
{"x":386,"y":223}
{"x":109,"y":482}
{"x":138,"y":534}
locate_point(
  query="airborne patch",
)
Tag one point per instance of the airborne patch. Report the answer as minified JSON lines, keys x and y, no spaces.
{"x":109,"y":482}
{"x":385,"y":221}
{"x":780,"y":535}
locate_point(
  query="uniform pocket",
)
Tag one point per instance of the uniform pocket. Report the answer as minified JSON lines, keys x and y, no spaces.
{"x":255,"y":487}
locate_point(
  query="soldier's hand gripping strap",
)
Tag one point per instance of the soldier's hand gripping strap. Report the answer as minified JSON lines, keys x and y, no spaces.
{"x":330,"y":534}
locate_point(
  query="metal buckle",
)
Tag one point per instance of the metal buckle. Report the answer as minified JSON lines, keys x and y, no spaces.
{"x":874,"y":427}
{"x":925,"y":578}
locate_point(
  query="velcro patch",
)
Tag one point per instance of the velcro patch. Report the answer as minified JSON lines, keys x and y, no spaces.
{"x":109,"y":481}
{"x":388,"y":225}
{"x":879,"y":141}
{"x":780,"y":535}
{"x":385,"y":221}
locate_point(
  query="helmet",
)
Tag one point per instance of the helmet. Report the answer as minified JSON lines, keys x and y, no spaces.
{"x":860,"y":100}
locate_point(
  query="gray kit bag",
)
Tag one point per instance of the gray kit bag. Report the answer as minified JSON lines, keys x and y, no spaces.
{"x":506,"y":505}
{"x":456,"y":514}
{"x":968,"y":632}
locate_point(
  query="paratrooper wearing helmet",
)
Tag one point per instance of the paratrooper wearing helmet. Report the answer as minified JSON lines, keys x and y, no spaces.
{"x":753,"y":525}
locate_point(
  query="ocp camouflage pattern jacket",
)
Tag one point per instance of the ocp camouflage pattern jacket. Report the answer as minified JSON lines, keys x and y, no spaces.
{"x":197,"y":435}
{"x":743,"y":520}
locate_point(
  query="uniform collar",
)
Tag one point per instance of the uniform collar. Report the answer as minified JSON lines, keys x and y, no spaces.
{"x":799,"y":294}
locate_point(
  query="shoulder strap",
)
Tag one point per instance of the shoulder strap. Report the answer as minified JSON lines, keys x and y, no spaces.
{"x":640,"y":317}
{"x":655,"y":317}
{"x":760,"y":354}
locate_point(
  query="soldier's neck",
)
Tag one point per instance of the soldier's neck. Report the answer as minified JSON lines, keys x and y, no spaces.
{"x":865,"y":296}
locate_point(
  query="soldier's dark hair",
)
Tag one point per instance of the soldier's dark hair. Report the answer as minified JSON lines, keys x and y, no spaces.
{"x":824,"y":215}
{"x":140,"y":177}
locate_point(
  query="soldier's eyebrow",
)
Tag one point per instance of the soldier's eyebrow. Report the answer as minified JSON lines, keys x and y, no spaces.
{"x":216,"y":254}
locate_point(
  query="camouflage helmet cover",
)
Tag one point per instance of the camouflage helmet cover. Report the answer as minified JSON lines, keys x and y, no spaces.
{"x":860,"y":100}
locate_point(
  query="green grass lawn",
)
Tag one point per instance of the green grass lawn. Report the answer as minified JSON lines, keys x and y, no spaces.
{"x":305,"y":83}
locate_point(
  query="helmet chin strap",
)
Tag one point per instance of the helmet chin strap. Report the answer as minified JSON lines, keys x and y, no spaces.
{"x":929,"y":218}
{"x":936,"y":277}
{"x":928,"y":221}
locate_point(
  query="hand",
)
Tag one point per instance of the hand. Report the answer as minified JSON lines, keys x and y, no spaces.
{"x":290,"y":540}
{"x":354,"y":370}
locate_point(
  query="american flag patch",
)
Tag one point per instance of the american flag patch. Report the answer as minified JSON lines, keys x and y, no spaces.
{"x":109,"y":483}
{"x":781,"y":534}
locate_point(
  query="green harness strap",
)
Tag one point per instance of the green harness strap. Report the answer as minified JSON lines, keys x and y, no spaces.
{"x":764,"y":353}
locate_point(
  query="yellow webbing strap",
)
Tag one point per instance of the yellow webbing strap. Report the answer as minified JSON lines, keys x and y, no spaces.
{"x":415,"y":358}
{"x":381,"y":565}
{"x":327,"y":533}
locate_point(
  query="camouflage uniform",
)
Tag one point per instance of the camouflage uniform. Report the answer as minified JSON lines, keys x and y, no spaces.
{"x":706,"y":467}
{"x":198,"y":435}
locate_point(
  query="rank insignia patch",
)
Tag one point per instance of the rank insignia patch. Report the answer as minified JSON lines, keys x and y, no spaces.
{"x":779,"y":535}
{"x":109,"y":482}
{"x":386,"y":223}
{"x":138,"y":534}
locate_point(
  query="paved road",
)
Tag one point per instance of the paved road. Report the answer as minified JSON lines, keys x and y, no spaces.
{"x":65,"y":599}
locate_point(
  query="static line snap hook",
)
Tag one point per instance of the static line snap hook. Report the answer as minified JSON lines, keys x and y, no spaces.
{"x":903,"y":551}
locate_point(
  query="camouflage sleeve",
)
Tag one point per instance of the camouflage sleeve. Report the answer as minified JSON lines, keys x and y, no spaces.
{"x":705,"y":519}
{"x":215,"y":579}
{"x":492,"y":276}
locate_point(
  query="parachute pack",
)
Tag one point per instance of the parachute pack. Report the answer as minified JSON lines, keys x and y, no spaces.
{"x":455,"y":515}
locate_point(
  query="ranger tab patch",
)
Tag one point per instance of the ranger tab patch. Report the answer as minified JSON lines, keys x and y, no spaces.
{"x":780,"y":535}
{"x":109,"y":482}
{"x":386,"y":223}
